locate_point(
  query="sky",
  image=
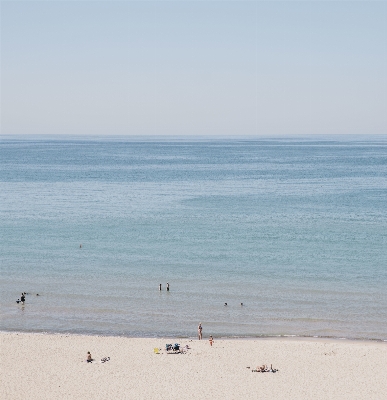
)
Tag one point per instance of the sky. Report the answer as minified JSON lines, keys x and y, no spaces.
{"x":270,"y":68}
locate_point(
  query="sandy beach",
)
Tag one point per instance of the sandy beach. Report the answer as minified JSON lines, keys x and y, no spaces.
{"x":45,"y":366}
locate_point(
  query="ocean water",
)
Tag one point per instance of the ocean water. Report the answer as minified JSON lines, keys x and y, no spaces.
{"x":295,"y":228}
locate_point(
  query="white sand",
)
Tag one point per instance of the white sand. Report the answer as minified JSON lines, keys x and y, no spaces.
{"x":39,"y":366}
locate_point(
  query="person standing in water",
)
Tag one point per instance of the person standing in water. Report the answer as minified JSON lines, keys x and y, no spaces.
{"x":167,"y":287}
{"x":160,"y":287}
{"x":200,"y":334}
{"x":22,"y":298}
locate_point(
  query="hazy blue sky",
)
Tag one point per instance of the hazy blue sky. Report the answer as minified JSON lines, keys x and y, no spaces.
{"x":193,"y":67}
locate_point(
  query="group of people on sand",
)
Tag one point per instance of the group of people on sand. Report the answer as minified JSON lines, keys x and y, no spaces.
{"x":90,"y":359}
{"x":200,"y":334}
{"x":264,"y":368}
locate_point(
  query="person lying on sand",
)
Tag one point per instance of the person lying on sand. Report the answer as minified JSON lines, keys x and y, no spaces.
{"x":263,"y":368}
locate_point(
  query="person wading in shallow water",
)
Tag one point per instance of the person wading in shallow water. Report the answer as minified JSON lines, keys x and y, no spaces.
{"x":167,"y":287}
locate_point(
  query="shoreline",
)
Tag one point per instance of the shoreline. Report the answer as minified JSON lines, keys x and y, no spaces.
{"x":236,"y":338}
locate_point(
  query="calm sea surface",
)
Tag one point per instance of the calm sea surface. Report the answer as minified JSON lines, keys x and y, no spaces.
{"x":296,"y":229}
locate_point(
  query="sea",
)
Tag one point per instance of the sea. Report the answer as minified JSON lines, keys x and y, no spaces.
{"x":289,"y":232}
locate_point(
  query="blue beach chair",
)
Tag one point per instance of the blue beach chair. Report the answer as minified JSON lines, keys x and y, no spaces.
{"x":168,"y":347}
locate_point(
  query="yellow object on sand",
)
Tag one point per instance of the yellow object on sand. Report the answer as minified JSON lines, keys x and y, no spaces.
{"x":156,"y":350}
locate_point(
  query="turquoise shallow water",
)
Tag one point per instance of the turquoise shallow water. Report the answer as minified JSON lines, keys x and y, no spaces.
{"x":296,"y":229}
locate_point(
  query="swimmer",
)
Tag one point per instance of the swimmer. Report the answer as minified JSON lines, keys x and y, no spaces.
{"x":80,"y":246}
{"x":241,"y":304}
{"x":225,"y":304}
{"x":167,"y":287}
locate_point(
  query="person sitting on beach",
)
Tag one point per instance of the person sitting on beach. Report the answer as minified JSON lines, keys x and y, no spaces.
{"x":89,"y":359}
{"x":272,"y":369}
{"x":263,"y":368}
